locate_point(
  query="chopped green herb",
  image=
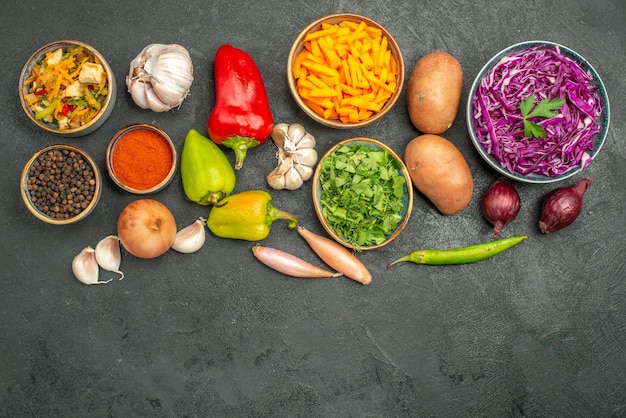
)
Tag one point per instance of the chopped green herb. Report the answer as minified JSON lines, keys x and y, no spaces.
{"x":545,"y":108}
{"x":363,"y":193}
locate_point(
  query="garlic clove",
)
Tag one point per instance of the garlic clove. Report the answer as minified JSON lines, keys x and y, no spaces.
{"x":289,"y":147}
{"x":137,"y":92}
{"x":307,"y":141}
{"x":85,"y":267}
{"x":276,"y":180}
{"x":284,"y":164}
{"x":168,"y":93}
{"x":191,"y":238}
{"x":305,"y":171}
{"x":280,"y":131}
{"x":293,"y":180}
{"x":306,"y":156}
{"x":108,"y":254}
{"x":154,"y":102}
{"x":296,"y":132}
{"x":143,"y":95}
{"x":171,"y":81}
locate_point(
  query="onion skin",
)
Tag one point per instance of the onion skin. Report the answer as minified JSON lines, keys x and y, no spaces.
{"x":500,"y":205}
{"x":562,"y":206}
{"x":336,"y":256}
{"x":146,"y":228}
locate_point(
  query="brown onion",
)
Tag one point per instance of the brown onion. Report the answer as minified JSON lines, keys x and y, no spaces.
{"x":562,"y":206}
{"x":500,"y":205}
{"x":146,"y":228}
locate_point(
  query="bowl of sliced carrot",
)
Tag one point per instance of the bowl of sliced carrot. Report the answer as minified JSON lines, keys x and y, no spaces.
{"x":67,"y":88}
{"x":345,"y":70}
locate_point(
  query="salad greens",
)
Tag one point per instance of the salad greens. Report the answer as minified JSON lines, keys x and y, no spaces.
{"x":362,"y":193}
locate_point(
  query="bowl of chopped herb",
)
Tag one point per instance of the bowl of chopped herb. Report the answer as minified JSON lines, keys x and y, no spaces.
{"x":362,"y":193}
{"x":538,"y":112}
{"x":67,"y":88}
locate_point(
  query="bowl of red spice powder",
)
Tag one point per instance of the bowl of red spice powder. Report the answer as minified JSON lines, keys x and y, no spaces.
{"x":141,"y":158}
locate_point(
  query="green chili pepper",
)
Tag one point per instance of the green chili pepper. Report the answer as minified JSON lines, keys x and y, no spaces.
{"x":247,"y":215}
{"x":206,"y":172}
{"x":463,"y":255}
{"x":47,"y":110}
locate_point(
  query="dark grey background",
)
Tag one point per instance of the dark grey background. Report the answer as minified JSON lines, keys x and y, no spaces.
{"x":537,"y":331}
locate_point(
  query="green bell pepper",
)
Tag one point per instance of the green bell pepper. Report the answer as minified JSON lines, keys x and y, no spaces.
{"x":206,"y":172}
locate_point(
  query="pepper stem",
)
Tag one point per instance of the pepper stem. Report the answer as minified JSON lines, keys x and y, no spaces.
{"x":399,"y":260}
{"x":240,"y":144}
{"x":212,"y":198}
{"x":273,"y":214}
{"x":413,"y":257}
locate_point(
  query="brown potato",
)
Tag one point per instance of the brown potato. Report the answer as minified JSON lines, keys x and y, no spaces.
{"x":434,"y":92}
{"x":439,"y":171}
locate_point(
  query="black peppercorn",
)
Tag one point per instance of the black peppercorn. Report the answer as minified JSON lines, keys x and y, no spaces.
{"x":56,"y":183}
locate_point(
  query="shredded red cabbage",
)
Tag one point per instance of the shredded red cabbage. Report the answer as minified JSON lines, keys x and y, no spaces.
{"x":544,"y":72}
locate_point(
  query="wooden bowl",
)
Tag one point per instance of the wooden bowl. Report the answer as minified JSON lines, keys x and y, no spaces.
{"x":33,"y":183}
{"x":298,"y":46}
{"x":407,"y":200}
{"x":138,"y":162}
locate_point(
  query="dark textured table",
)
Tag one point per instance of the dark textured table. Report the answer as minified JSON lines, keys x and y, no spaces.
{"x":537,"y":331}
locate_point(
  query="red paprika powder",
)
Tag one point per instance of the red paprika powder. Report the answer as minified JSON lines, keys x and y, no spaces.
{"x":141,"y":158}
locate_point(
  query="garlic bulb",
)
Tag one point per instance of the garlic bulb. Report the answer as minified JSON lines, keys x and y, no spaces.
{"x":296,"y":156}
{"x":160,"y":77}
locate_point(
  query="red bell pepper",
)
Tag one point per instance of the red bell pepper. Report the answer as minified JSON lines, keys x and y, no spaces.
{"x":241,"y":118}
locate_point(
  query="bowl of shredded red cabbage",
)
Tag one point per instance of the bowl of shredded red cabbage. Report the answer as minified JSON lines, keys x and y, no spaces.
{"x":538,"y":112}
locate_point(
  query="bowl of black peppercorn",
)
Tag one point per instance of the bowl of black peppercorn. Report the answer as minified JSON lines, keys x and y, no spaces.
{"x":60,"y":184}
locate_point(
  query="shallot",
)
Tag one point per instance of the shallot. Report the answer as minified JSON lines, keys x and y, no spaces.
{"x":562,"y":206}
{"x":336,"y":256}
{"x":289,"y":264}
{"x":500,"y":205}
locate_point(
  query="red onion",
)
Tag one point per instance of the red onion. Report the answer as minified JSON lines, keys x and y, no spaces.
{"x":500,"y":205}
{"x":562,"y":206}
